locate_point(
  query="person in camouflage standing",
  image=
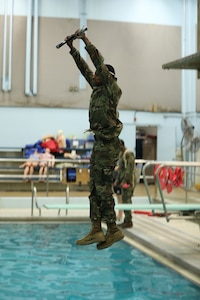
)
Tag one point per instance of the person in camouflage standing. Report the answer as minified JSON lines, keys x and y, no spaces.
{"x":125,"y":179}
{"x":106,"y":126}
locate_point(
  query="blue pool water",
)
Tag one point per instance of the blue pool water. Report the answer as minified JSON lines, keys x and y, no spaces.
{"x":41,"y":261}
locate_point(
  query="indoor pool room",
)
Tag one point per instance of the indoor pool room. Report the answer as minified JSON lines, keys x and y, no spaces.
{"x":41,"y":261}
{"x":100,"y":150}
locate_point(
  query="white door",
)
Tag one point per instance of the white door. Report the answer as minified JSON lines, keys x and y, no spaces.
{"x":166,"y":143}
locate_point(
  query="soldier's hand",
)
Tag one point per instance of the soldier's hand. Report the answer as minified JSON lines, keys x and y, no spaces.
{"x":80,"y":34}
{"x":125,"y":185}
{"x":70,"y":38}
{"x":69,"y":42}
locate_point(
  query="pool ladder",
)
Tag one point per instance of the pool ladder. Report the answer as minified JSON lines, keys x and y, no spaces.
{"x":35,"y":203}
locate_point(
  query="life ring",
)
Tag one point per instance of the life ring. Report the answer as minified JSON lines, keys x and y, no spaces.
{"x":178,"y":177}
{"x":169,"y":182}
{"x":162,"y":176}
{"x":169,"y":177}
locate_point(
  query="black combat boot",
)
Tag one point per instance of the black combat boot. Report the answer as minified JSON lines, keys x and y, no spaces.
{"x":95,"y":235}
{"x":113,"y":235}
{"x":126,"y":225}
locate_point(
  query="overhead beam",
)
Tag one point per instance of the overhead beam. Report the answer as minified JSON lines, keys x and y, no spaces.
{"x":191,"y":62}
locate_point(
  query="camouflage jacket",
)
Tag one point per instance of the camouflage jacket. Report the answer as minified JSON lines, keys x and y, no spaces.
{"x":103,"y":115}
{"x":126,"y":169}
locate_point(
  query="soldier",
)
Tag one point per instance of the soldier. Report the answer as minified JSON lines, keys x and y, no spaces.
{"x":126,"y":179}
{"x":106,"y":126}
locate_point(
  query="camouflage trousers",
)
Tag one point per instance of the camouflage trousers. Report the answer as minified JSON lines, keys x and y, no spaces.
{"x":102,"y":163}
{"x":127,"y":199}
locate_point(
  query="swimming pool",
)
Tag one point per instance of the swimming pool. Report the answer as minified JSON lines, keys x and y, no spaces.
{"x":41,"y":261}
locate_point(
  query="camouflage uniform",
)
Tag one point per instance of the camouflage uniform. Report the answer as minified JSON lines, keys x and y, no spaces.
{"x":125,"y":175}
{"x":106,"y":126}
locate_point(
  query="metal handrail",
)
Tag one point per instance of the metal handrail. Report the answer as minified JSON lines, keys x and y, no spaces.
{"x":66,"y":160}
{"x":34,"y":201}
{"x":66,"y":200}
{"x":48,"y":176}
{"x":78,"y":161}
{"x":144,"y":163}
{"x":157,"y":181}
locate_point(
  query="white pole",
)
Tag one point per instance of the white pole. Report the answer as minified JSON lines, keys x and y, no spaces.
{"x":35,"y":49}
{"x":28,"y":49}
{"x":4,"y":88}
{"x":10,"y":47}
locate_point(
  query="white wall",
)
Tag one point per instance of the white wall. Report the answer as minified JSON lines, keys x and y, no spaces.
{"x":21,"y":126}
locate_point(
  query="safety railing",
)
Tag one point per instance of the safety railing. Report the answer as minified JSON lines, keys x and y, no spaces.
{"x":162,"y":164}
{"x":143,"y":165}
{"x":10,"y":171}
{"x":35,"y":201}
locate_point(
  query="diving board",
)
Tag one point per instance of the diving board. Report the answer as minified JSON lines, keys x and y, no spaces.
{"x":154,"y":206}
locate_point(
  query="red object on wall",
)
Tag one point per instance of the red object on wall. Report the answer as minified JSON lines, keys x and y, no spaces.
{"x":169,"y":177}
